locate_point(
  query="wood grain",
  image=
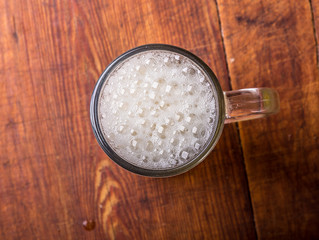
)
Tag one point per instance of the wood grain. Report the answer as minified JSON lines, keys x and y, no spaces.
{"x":54,"y":177}
{"x":272,"y":43}
{"x":314,"y":5}
{"x":56,"y":182}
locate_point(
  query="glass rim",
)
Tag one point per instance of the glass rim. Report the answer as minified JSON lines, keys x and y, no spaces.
{"x":156,"y":172}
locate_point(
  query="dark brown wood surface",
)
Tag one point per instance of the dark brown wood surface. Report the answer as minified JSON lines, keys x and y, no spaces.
{"x":260,"y":182}
{"x":273,"y":44}
{"x":315,"y":18}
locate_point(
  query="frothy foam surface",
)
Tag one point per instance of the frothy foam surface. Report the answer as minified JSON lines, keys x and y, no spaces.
{"x":157,"y":110}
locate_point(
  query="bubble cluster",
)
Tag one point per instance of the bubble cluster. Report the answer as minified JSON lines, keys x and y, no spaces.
{"x":157,"y":110}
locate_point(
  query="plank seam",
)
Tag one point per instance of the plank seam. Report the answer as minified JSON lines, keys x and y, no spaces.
{"x":237,"y":126}
{"x":314,"y":32}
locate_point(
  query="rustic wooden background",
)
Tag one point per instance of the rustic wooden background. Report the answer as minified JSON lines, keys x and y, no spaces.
{"x":260,"y":182}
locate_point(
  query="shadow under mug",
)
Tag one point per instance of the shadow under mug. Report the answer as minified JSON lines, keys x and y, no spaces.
{"x":232,"y":106}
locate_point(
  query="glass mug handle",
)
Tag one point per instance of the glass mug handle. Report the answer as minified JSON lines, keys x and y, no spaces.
{"x":250,"y":103}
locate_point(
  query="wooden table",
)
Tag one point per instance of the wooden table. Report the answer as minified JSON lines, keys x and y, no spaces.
{"x":261,"y":181}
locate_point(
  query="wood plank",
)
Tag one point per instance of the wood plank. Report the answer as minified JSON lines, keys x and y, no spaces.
{"x":272,"y":43}
{"x":54,"y":176}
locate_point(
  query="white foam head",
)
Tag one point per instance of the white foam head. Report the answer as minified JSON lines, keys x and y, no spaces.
{"x":157,"y":109}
